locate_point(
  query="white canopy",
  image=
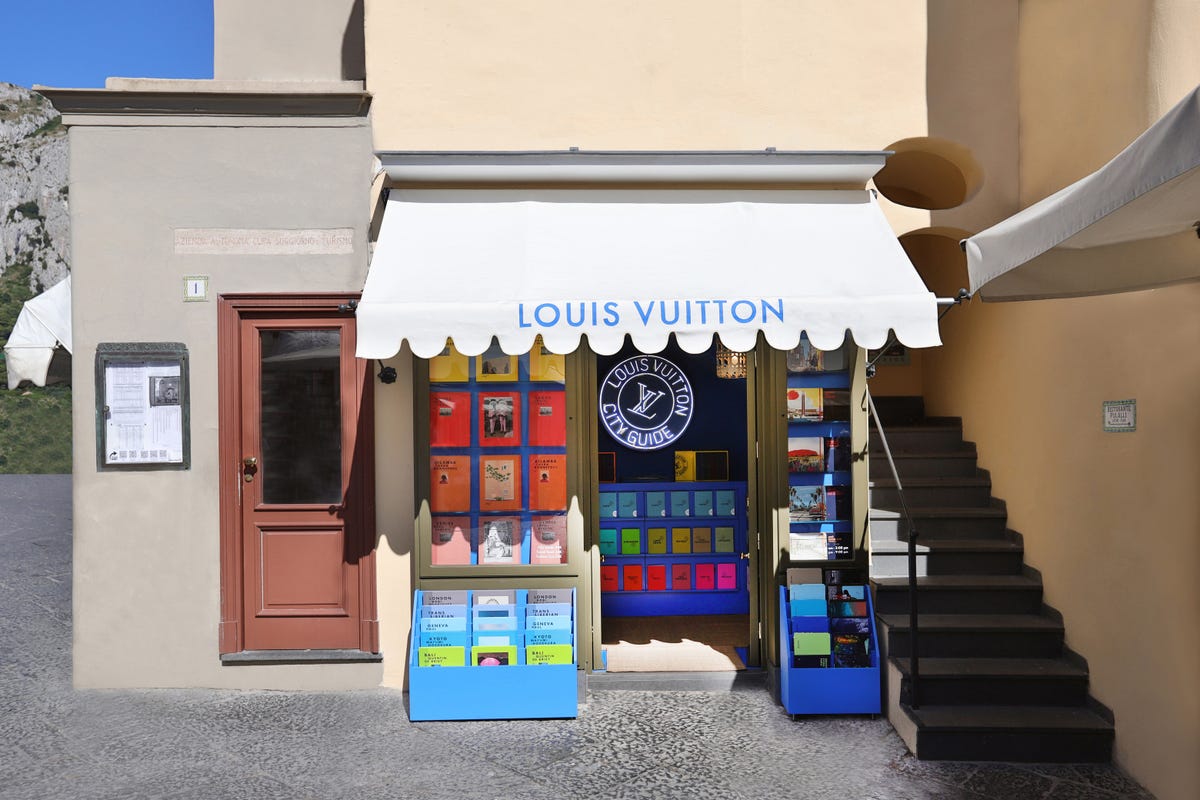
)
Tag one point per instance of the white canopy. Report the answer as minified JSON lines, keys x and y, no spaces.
{"x":1130,"y":225}
{"x":44,"y":322}
{"x":473,"y":263}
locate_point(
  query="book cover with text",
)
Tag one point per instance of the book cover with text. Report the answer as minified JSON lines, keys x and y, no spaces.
{"x":806,"y":503}
{"x":547,"y":419}
{"x":449,"y":419}
{"x":549,"y":542}
{"x":806,"y":454}
{"x":805,"y":404}
{"x":450,"y":483}
{"x":548,"y":482}
{"x":500,"y":483}
{"x":451,"y":541}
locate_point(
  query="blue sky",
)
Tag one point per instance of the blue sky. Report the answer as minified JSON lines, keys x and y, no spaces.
{"x":79,"y":43}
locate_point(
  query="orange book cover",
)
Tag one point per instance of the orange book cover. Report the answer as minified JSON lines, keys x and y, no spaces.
{"x":631,"y":578}
{"x":451,"y":541}
{"x":548,"y":482}
{"x":549,"y":542}
{"x":450,"y":483}
{"x":547,"y":419}
{"x":450,"y":419}
{"x":500,"y":483}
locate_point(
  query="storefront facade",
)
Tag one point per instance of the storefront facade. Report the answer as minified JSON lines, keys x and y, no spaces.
{"x":240,"y":218}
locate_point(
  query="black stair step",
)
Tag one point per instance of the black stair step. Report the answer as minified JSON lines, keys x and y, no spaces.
{"x":929,"y":435}
{"x":955,"y":491}
{"x":961,"y":594}
{"x":932,"y":463}
{"x":997,"y":681}
{"x":1030,"y":734}
{"x":975,"y":635}
{"x":956,"y":556}
{"x":954,"y":522}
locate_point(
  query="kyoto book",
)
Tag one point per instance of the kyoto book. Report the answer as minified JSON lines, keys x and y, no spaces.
{"x":451,"y":541}
{"x":450,"y":483}
{"x":547,"y":419}
{"x":805,"y":404}
{"x":806,"y":454}
{"x":450,"y":419}
{"x":499,"y":540}
{"x":548,"y":544}
{"x":548,"y":482}
{"x":500,"y":483}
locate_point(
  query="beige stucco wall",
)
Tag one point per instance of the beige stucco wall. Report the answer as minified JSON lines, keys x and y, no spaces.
{"x":288,"y":40}
{"x":146,"y":569}
{"x":1109,"y":519}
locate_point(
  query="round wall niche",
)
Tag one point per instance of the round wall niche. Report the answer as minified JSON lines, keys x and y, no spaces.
{"x":929,"y":173}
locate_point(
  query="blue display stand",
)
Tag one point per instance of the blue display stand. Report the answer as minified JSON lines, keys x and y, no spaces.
{"x":512,"y":691}
{"x":827,"y":690}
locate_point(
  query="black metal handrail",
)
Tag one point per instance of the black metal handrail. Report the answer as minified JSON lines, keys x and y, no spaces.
{"x":914,"y":666}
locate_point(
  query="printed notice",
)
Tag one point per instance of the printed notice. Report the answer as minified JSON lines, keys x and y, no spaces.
{"x":1120,"y":416}
{"x":144,"y":414}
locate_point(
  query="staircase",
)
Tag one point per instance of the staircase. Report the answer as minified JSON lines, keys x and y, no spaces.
{"x":996,"y":681}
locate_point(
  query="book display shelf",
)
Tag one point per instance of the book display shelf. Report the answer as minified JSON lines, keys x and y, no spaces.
{"x":497,"y":459}
{"x":489,"y":653}
{"x":820,"y":511}
{"x":829,"y":649}
{"x":673,"y":548}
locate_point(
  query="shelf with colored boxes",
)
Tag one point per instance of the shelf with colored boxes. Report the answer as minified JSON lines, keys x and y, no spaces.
{"x":493,"y":654}
{"x":829,"y":650}
{"x":681,"y":554}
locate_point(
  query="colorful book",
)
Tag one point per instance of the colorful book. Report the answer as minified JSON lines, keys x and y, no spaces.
{"x":495,"y":365}
{"x":726,"y":503}
{"x":499,"y":540}
{"x":656,"y":541}
{"x":555,"y":622}
{"x":440,"y":612}
{"x":441,"y":656}
{"x":631,"y":578}
{"x":451,"y":542}
{"x":806,"y":454}
{"x":807,"y":607}
{"x":548,"y":542}
{"x":450,"y":419}
{"x":836,"y":403}
{"x":631,"y":541}
{"x":810,"y":644}
{"x":608,"y":542}
{"x":548,"y":610}
{"x":805,"y":358}
{"x":546,"y":366}
{"x":726,"y":576}
{"x":681,"y":504}
{"x":496,"y":638}
{"x":450,"y":483}
{"x":549,"y":654}
{"x":610,"y":578}
{"x":656,"y":577}
{"x":807,"y":591}
{"x":494,"y":597}
{"x":705,"y":577}
{"x":449,"y":366}
{"x":806,"y":503}
{"x":681,"y":577}
{"x":627,"y":504}
{"x":444,"y":597}
{"x":847,"y":608}
{"x":443,"y":624}
{"x":805,"y":404}
{"x":548,"y":482}
{"x":542,"y":596}
{"x":547,"y":419}
{"x":702,"y":540}
{"x":485,"y":656}
{"x":723,"y":539}
{"x":499,"y":483}
{"x":656,"y":504}
{"x":443,"y":638}
{"x":846,"y":592}
{"x":702,"y":504}
{"x":608,"y":505}
{"x":851,"y":642}
{"x":681,"y":540}
{"x":548,"y":636}
{"x":499,"y":419}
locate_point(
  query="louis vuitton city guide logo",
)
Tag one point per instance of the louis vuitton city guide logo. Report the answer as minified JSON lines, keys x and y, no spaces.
{"x":646,"y":402}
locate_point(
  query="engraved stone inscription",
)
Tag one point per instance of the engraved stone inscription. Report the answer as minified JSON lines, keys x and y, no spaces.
{"x":263,"y":241}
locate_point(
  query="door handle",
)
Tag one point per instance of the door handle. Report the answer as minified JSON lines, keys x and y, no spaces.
{"x":249,"y":468}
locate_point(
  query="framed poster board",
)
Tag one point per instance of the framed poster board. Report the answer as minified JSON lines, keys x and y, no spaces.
{"x":143,"y":410}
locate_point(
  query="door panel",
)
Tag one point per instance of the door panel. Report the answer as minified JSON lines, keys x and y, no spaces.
{"x":303,"y":553}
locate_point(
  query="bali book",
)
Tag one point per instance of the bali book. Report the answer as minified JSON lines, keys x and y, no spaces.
{"x":805,"y":404}
{"x":450,"y":419}
{"x":806,"y":454}
{"x":549,"y":654}
{"x":547,"y":419}
{"x":500,"y":540}
{"x":548,"y":482}
{"x":499,"y":419}
{"x":450,"y":483}
{"x":549,"y":542}
{"x":499,"y":483}
{"x":441,"y":656}
{"x":806,"y":503}
{"x":451,"y":541}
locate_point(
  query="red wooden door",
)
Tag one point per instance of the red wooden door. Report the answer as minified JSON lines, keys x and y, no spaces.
{"x":301,"y":464}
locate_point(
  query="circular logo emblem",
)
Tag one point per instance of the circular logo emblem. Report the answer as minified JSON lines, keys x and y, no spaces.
{"x":646,"y":402}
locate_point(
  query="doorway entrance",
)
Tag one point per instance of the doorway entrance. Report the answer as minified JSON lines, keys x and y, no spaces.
{"x":297,"y":554}
{"x":676,"y":575}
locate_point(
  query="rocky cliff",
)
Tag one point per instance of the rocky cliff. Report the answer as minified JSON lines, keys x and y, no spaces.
{"x":33,"y":188}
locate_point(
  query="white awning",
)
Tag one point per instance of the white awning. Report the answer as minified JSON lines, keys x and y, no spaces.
{"x":44,"y":322}
{"x":1130,"y":225}
{"x":470,"y":264}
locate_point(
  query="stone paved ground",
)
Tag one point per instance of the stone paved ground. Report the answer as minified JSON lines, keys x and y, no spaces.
{"x":56,"y":742}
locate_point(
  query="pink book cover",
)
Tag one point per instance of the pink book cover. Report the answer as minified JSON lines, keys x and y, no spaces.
{"x":549,"y":542}
{"x":704,"y":576}
{"x":451,"y":541}
{"x":726,"y":576}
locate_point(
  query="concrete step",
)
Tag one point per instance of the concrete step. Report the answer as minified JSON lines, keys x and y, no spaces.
{"x":1031,"y":734}
{"x":957,"y":491}
{"x":975,"y":635}
{"x":981,"y":522}
{"x":960,"y":594}
{"x":932,"y":434}
{"x":997,"y":681}
{"x":961,"y":461}
{"x":889,"y":559}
